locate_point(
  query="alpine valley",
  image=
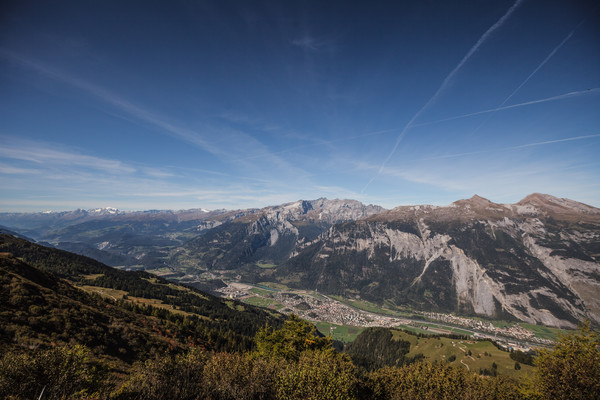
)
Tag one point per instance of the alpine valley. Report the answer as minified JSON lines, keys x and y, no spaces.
{"x":536,"y":261}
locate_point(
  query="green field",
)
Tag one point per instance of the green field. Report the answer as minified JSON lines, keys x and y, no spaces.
{"x":544,"y":332}
{"x":483,"y":353}
{"x":425,"y":327}
{"x":343,"y":333}
{"x":263,"y":302}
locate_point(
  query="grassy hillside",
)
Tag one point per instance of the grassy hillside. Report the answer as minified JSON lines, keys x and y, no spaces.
{"x":215,"y":323}
{"x":470,"y":354}
{"x":343,"y":333}
{"x":39,"y":310}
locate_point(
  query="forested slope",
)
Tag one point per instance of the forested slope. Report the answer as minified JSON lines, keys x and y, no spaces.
{"x":36,"y":276}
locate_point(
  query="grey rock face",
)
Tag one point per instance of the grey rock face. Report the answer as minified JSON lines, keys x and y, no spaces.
{"x":536,"y":261}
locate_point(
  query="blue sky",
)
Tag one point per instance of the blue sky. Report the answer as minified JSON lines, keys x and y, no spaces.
{"x":234,"y":104}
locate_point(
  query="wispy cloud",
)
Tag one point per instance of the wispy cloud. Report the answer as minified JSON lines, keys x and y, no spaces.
{"x":548,"y":57}
{"x":495,"y":179}
{"x":157,"y":172}
{"x":230,"y":145}
{"x":12,"y":170}
{"x":36,"y":173}
{"x":132,"y":110}
{"x":443,"y":86}
{"x":312,"y":43}
{"x":553,"y":141}
{"x":45,"y":156}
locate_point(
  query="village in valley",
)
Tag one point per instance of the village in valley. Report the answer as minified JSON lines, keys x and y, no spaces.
{"x":317,"y":307}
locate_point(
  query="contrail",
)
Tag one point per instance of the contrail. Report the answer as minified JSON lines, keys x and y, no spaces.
{"x":115,"y":101}
{"x":522,"y":146}
{"x":433,"y":98}
{"x":527,"y":103}
{"x":543,"y":62}
{"x":553,"y":141}
{"x":548,"y":57}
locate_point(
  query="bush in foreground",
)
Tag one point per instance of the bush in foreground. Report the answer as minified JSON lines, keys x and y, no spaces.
{"x":436,"y":381}
{"x":571,"y":370}
{"x":61,"y":372}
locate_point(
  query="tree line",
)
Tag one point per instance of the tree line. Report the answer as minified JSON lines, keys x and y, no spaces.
{"x":293,"y":363}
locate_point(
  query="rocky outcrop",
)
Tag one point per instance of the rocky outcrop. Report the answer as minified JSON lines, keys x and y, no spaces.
{"x":536,"y":261}
{"x":270,"y":235}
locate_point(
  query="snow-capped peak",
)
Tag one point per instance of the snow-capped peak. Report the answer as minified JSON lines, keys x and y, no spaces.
{"x":105,"y":210}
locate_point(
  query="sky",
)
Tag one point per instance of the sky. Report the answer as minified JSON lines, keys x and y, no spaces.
{"x":234,"y":104}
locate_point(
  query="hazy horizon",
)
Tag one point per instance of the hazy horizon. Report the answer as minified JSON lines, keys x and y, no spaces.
{"x":108,"y":207}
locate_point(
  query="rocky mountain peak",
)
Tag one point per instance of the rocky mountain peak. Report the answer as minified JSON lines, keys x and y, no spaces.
{"x":560,"y":208}
{"x":322,"y":209}
{"x":475,"y":202}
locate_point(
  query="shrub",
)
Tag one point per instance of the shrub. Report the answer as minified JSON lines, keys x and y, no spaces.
{"x":291,"y":340}
{"x":240,"y":377}
{"x":318,"y":375}
{"x":167,"y":377}
{"x":62,"y":372}
{"x":571,"y":370}
{"x":436,"y":381}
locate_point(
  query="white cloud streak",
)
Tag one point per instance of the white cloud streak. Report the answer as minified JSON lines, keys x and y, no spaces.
{"x":523,"y":146}
{"x":443,"y":86}
{"x":496,"y":179}
{"x":527,"y":103}
{"x":44,"y":156}
{"x":111,"y":99}
{"x":11,"y":170}
{"x":548,"y":57}
{"x":234,"y":143}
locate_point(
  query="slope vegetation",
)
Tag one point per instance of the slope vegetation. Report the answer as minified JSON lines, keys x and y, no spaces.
{"x":44,"y":303}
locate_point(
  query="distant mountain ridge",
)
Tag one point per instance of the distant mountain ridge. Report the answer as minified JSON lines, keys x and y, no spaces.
{"x":117,"y":238}
{"x":536,"y":260}
{"x":270,"y":235}
{"x":58,"y":219}
{"x":535,"y":204}
{"x":145,"y":238}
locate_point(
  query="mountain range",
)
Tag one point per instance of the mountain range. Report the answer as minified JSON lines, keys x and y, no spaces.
{"x":535,"y":261}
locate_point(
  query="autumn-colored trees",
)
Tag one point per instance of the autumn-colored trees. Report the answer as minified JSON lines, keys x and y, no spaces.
{"x":293,"y":363}
{"x":68,"y":372}
{"x":571,"y":370}
{"x":291,"y":340}
{"x":289,"y":363}
{"x":427,"y":380}
{"x":318,"y":375}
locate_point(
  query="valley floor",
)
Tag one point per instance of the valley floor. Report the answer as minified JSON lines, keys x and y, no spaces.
{"x":336,"y":312}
